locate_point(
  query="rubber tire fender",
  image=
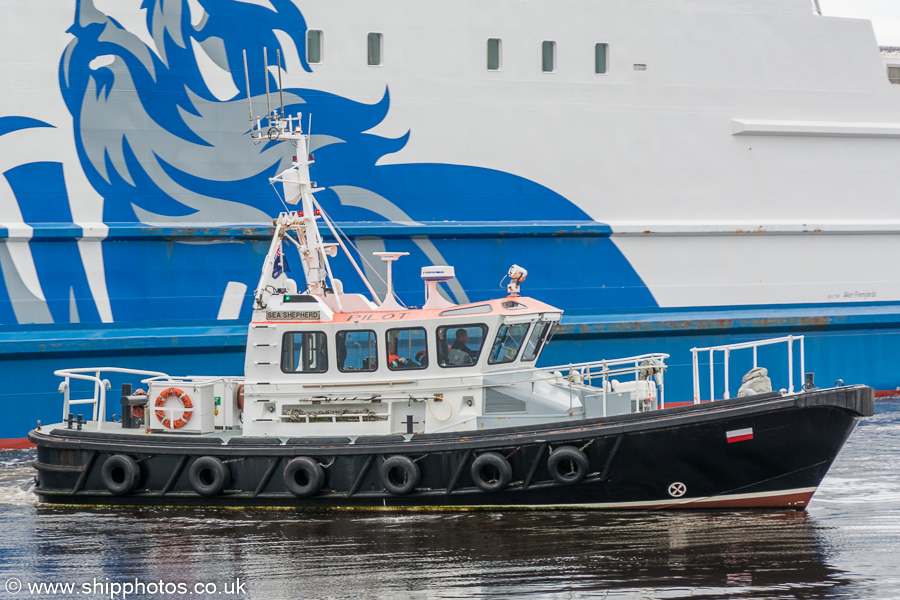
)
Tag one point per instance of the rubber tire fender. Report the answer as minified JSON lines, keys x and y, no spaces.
{"x":578,"y":460}
{"x":315,"y":476}
{"x":496,"y":462}
{"x":208,"y":476}
{"x":410,"y":470}
{"x":120,"y":474}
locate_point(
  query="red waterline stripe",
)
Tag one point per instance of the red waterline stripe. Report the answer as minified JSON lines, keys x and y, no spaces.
{"x":887,"y":393}
{"x":15,"y":444}
{"x":796,"y":500}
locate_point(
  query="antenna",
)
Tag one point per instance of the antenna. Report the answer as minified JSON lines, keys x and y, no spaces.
{"x":266,"y":71}
{"x":390,"y":302}
{"x":280,"y":92}
{"x":247,"y":79}
{"x":432,"y":277}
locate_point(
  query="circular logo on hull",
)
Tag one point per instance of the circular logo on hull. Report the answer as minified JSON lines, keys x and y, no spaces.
{"x":677,"y":489}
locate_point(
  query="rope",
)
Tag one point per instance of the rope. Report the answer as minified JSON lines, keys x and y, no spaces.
{"x":286,"y":209}
{"x":351,"y":244}
{"x":428,"y":404}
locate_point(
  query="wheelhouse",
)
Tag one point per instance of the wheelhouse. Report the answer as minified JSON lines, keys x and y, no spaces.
{"x":432,"y":343}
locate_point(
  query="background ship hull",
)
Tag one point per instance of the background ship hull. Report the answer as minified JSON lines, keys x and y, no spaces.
{"x":687,"y":193}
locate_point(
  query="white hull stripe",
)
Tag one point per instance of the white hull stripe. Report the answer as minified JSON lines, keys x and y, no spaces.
{"x":709,"y":499}
{"x":798,"y":499}
{"x":793,"y":498}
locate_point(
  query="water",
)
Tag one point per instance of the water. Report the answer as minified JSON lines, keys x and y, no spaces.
{"x":846,"y":545}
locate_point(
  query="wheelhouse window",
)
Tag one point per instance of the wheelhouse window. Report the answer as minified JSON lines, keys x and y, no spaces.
{"x":407,"y":349}
{"x":314,"y":46}
{"x":356,"y":351}
{"x":493,"y":54}
{"x":508,"y":342}
{"x":601,"y":58}
{"x":536,"y":340}
{"x":376,"y":45}
{"x":460,"y":345}
{"x":548,"y":56}
{"x":304,"y":352}
{"x":894,"y":74}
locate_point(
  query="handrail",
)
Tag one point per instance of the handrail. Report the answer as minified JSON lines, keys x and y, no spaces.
{"x":726,"y":350}
{"x":100,"y":387}
{"x":582,"y":373}
{"x":626,"y":366}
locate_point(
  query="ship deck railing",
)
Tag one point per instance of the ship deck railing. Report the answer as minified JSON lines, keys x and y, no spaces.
{"x":596,"y":376}
{"x":101,"y":385}
{"x":643,"y":366}
{"x":727,"y":349}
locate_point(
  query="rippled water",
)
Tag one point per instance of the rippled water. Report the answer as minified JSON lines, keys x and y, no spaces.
{"x":846,"y":545}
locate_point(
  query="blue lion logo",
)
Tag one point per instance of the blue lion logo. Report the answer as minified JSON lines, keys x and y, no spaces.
{"x":159,"y":104}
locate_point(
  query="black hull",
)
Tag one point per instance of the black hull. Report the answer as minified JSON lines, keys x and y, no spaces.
{"x":677,"y":458}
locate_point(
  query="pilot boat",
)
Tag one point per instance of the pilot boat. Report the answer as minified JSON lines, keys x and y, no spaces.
{"x":355,"y":401}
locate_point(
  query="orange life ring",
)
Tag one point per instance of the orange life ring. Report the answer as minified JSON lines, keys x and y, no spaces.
{"x":185,"y":402}
{"x":240,"y":398}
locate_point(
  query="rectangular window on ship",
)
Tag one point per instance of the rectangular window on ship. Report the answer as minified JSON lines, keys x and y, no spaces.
{"x":894,"y":74}
{"x":493,"y":54}
{"x":304,"y":352}
{"x":313,"y":46}
{"x":460,"y":345}
{"x":356,"y":351}
{"x":407,"y":349}
{"x":375,"y":48}
{"x":548,"y":57}
{"x":508,"y":343}
{"x":601,"y":58}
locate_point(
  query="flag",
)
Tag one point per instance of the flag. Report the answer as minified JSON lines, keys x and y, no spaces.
{"x":280,"y":265}
{"x":739,"y":435}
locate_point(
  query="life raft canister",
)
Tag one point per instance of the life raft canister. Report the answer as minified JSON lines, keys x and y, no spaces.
{"x":185,"y":402}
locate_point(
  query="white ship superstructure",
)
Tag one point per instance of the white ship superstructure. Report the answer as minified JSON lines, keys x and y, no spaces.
{"x":742,"y":149}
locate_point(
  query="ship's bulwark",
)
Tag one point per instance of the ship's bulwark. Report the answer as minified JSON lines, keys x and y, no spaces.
{"x":682,"y":458}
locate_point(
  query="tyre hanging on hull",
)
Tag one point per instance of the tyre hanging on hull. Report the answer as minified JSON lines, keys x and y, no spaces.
{"x":304,"y":476}
{"x":208,"y":476}
{"x":120,"y":474}
{"x":399,"y":474}
{"x":568,"y":465}
{"x":491,"y":472}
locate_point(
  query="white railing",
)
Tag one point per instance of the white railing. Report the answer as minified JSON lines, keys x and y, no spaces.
{"x":728,"y":348}
{"x":586,"y":372}
{"x":100,"y":387}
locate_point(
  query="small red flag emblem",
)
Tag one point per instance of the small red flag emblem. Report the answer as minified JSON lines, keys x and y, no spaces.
{"x":739,"y":435}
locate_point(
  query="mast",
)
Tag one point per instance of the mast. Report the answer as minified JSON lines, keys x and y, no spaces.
{"x":298,"y":190}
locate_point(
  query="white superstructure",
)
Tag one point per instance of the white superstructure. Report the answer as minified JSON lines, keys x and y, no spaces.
{"x":747,"y":149}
